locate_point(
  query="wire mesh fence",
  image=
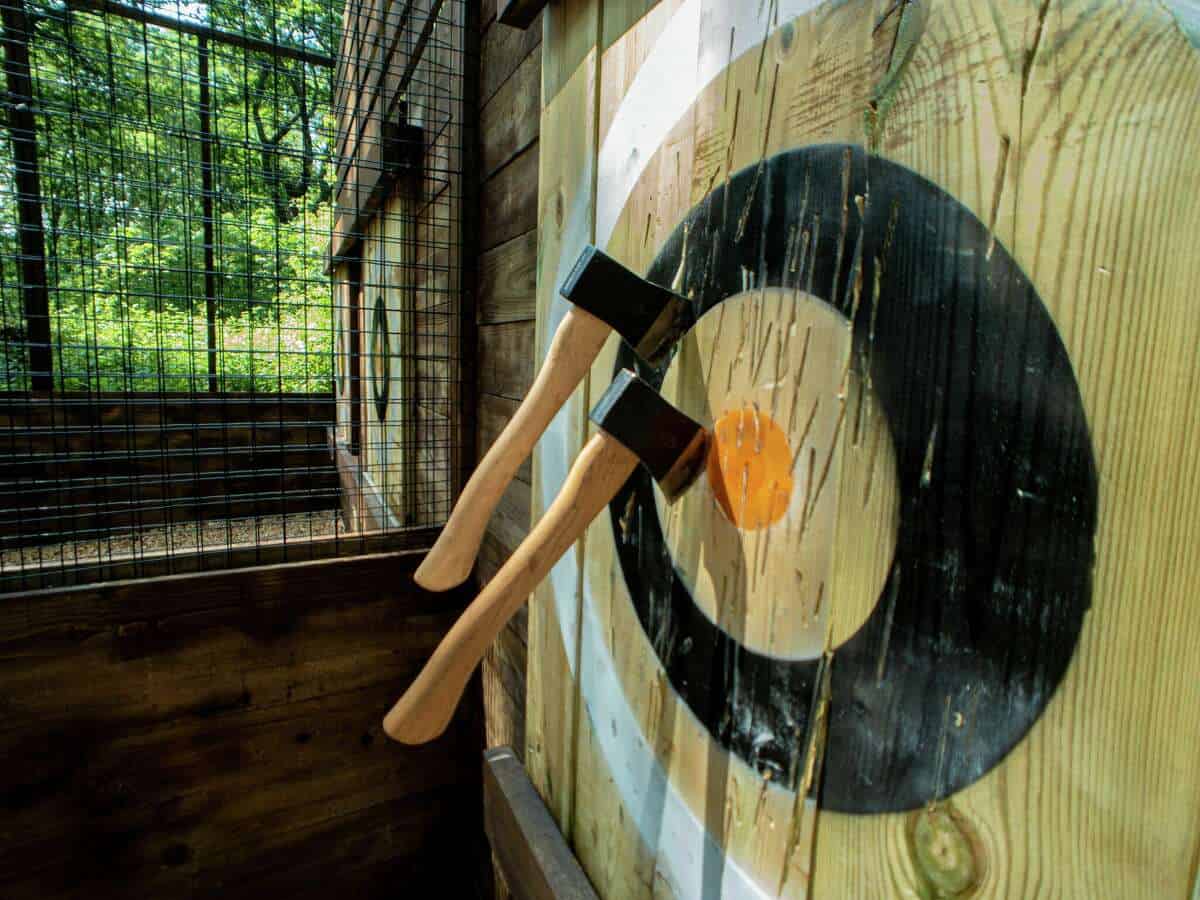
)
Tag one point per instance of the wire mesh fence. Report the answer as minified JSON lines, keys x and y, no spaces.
{"x":181,"y":224}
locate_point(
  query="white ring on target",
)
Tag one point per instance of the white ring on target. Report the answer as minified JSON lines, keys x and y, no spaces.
{"x":657,"y":99}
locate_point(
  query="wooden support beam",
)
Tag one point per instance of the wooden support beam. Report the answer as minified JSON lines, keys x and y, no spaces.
{"x":207,"y":192}
{"x":99,"y":574}
{"x":215,"y":35}
{"x":518,"y":13}
{"x":536,"y":861}
{"x":257,"y":598}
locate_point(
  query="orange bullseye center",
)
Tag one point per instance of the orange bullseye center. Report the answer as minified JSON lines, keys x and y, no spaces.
{"x":750,"y":468}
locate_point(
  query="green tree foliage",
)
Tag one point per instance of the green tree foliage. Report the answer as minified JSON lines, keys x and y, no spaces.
{"x":120,"y":141}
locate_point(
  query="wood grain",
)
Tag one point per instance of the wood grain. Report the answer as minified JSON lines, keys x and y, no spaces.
{"x":509,"y":121}
{"x":1080,"y":177}
{"x":507,"y":287}
{"x":565,"y":183}
{"x":1073,"y":196}
{"x":533,"y":854}
{"x":504,"y":693}
{"x":494,"y":414}
{"x":508,"y":202}
{"x":504,"y":367}
{"x":508,"y":283}
{"x":731,"y":370}
{"x":501,"y":52}
{"x":218,"y":734}
{"x":518,"y":13}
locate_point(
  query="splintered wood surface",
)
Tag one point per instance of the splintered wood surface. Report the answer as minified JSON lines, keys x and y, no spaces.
{"x":995,"y":694}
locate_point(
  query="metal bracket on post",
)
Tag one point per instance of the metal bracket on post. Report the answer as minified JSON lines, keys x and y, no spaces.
{"x":518,"y":13}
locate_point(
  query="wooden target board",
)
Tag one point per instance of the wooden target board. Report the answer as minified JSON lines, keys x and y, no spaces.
{"x":387,"y":310}
{"x":926,"y":625}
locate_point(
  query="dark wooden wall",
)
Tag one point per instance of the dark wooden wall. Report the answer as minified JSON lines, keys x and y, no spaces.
{"x":509,"y":118}
{"x":220,"y":734}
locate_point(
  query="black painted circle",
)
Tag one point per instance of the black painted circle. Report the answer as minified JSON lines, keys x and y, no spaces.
{"x":341,"y":355}
{"x":381,"y":358}
{"x":983,"y":605}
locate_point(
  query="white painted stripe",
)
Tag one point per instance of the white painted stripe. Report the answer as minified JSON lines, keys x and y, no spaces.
{"x":689,"y":54}
{"x":1187,"y":13}
{"x":692,"y":51}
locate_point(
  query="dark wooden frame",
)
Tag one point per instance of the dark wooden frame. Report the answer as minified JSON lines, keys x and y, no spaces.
{"x":518,"y":13}
{"x":535,"y":859}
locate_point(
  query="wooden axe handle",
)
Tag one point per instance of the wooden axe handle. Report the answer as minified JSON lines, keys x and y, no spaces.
{"x":574,"y":348}
{"x":428,"y":705}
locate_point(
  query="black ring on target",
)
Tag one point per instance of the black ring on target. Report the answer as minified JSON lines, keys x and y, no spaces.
{"x":341,"y":355}
{"x":992,"y":570}
{"x":381,"y":357}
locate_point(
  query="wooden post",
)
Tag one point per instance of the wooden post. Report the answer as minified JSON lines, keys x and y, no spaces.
{"x":23,"y":135}
{"x":207,"y":190}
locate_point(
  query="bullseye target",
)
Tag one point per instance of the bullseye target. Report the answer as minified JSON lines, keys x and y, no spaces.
{"x":924,"y":325}
{"x":768,"y":371}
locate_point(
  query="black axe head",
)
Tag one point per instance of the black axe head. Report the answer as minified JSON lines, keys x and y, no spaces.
{"x":650,"y":317}
{"x":669,"y":443}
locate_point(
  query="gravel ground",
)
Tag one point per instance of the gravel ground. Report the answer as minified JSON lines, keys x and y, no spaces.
{"x":183,"y":538}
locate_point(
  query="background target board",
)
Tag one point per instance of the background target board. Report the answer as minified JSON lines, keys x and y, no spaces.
{"x":387,"y":446}
{"x":381,"y":359}
{"x":942,"y":269}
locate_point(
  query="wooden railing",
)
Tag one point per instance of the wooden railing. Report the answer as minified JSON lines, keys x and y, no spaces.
{"x":78,"y":466}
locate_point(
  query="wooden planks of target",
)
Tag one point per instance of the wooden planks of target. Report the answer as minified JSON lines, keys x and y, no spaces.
{"x":927,"y":625}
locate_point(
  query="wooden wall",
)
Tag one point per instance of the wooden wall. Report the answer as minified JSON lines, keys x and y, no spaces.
{"x":85,"y":466}
{"x":220,"y":734}
{"x":509,"y":117}
{"x":509,"y":120}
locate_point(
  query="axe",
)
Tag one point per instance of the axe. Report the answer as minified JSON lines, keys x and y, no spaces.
{"x":636,"y":424}
{"x":605,"y":297}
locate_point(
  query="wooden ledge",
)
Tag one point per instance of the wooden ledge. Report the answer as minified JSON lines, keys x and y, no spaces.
{"x":518,"y":13}
{"x":536,"y":861}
